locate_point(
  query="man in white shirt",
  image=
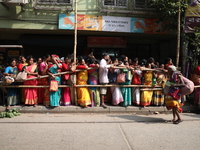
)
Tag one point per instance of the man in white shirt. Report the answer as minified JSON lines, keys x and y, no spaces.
{"x":103,"y":77}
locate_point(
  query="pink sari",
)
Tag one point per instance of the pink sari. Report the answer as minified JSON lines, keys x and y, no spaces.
{"x":30,"y":94}
{"x":43,"y":93}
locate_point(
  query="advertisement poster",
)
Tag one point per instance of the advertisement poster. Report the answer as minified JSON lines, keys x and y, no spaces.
{"x":137,"y":25}
{"x":66,"y":21}
{"x":192,"y":17}
{"x":145,"y":25}
{"x":111,"y":24}
{"x":84,"y":22}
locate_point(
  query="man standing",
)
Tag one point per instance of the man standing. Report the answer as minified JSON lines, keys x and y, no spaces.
{"x":103,"y":77}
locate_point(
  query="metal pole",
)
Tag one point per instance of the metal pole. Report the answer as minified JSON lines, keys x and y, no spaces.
{"x":178,"y":35}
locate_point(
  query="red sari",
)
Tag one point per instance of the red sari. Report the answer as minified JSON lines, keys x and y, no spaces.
{"x":66,"y":98}
{"x":30,"y":94}
{"x":197,"y":90}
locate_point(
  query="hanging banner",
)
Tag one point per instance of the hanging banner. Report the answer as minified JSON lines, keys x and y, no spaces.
{"x":107,"y":42}
{"x":192,"y":17}
{"x":111,"y":24}
{"x":116,"y":24}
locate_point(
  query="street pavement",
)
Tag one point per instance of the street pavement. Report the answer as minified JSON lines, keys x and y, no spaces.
{"x":97,"y":131}
{"x":110,"y":109}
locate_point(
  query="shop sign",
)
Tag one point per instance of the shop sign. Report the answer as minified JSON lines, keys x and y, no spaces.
{"x":2,"y":49}
{"x":111,"y":24}
{"x":107,"y":42}
{"x":192,"y":17}
{"x":13,"y":53}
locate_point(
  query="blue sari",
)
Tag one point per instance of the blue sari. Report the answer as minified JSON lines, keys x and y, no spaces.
{"x":126,"y":91}
{"x":13,"y":93}
{"x":55,"y":96}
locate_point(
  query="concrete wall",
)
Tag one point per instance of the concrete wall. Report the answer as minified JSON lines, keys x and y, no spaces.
{"x":15,"y":18}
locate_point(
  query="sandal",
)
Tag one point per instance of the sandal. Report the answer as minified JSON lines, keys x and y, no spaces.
{"x":177,"y":121}
{"x":170,"y":120}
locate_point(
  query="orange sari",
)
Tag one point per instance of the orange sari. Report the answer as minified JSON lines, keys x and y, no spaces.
{"x":30,"y":94}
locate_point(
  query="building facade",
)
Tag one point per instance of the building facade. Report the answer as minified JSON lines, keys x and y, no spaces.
{"x":117,"y":27}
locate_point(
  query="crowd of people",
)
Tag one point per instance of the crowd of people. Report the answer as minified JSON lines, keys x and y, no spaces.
{"x":105,"y":71}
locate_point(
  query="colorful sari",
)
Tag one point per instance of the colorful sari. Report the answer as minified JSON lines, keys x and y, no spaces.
{"x":146,"y":96}
{"x":20,"y":68}
{"x":30,"y":94}
{"x":83,"y":95}
{"x":197,"y":90}
{"x":55,"y":96}
{"x":41,"y":67}
{"x":43,"y":93}
{"x":13,"y":93}
{"x":173,"y":98}
{"x":117,"y":97}
{"x":158,"y":96}
{"x":136,"y":80}
{"x":126,"y":91}
{"x":93,"y":80}
{"x":66,"y":95}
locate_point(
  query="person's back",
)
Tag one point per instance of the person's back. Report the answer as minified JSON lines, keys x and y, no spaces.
{"x":103,"y":71}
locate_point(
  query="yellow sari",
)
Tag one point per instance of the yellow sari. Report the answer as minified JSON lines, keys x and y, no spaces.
{"x":83,"y":92}
{"x":158,"y":96}
{"x":146,"y":96}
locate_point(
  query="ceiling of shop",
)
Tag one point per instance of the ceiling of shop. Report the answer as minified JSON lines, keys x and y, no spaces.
{"x":8,"y":34}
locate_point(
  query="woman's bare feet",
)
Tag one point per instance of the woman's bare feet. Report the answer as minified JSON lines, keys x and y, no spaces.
{"x":8,"y":107}
{"x":104,"y":105}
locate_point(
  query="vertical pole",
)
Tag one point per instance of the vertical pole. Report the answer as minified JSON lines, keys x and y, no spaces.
{"x":178,"y":35}
{"x":75,"y":29}
{"x":75,"y":47}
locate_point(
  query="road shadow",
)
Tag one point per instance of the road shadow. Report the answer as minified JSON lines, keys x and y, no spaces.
{"x":141,"y":119}
{"x":196,"y":115}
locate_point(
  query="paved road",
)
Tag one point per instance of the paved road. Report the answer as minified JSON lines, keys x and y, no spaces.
{"x":99,"y":132}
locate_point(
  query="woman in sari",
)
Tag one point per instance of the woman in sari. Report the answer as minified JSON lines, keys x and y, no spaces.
{"x":22,"y":63}
{"x":197,"y":83}
{"x":158,"y":96}
{"x":83,"y":95}
{"x":117,"y":97}
{"x":136,"y":80}
{"x":30,"y":94}
{"x":168,"y":62}
{"x":13,"y":93}
{"x":173,"y":98}
{"x":39,"y":90}
{"x":44,"y":92}
{"x":126,"y":91}
{"x":54,"y":68}
{"x":66,"y":95}
{"x":93,"y":77}
{"x":146,"y":96}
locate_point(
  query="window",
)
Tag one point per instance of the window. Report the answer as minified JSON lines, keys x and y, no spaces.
{"x":115,"y":3}
{"x":143,"y":4}
{"x":54,"y":5}
{"x":53,"y":2}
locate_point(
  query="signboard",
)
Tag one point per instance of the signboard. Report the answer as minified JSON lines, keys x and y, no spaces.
{"x":2,"y":49}
{"x":117,"y":24}
{"x":192,"y":17}
{"x":13,"y":53}
{"x":107,"y":42}
{"x":111,"y":24}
